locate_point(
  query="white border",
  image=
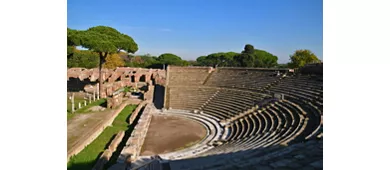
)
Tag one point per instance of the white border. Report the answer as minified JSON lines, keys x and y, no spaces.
{"x":356,"y":86}
{"x":33,"y":79}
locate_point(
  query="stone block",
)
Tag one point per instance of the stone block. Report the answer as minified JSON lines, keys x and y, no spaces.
{"x":115,"y":142}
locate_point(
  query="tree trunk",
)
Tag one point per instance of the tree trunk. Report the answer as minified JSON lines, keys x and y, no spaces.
{"x":102,"y":60}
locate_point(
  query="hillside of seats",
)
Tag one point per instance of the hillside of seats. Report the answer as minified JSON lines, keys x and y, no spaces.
{"x":245,"y":78}
{"x":187,"y":76}
{"x":227,"y":93}
{"x":307,"y":92}
{"x":254,"y":121}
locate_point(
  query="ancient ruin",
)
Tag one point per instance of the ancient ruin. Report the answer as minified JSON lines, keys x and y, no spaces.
{"x":255,"y":118}
{"x":113,"y":79}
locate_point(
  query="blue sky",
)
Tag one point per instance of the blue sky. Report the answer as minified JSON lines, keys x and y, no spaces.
{"x":191,"y":28}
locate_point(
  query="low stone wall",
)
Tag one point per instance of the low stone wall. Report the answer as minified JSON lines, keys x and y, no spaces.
{"x":103,"y":160}
{"x":105,"y":157}
{"x":136,"y":112}
{"x":115,"y":100}
{"x":96,"y":132}
{"x":134,"y":144}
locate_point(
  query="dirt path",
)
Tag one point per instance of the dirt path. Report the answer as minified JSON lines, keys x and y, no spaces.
{"x":169,"y":133}
{"x":82,"y":125}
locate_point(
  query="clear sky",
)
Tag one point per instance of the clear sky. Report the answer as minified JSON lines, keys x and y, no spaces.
{"x":191,"y":28}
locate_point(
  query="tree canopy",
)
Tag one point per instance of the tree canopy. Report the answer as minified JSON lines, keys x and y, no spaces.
{"x":217,"y":59}
{"x":102,"y":40}
{"x":149,"y":61}
{"x":109,"y":48}
{"x":171,"y":59}
{"x":264,"y":59}
{"x":249,"y":57}
{"x":146,"y":61}
{"x":302,"y":57}
{"x":249,"y":49}
{"x":83,"y":58}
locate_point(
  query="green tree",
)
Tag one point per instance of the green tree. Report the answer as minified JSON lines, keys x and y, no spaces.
{"x":221,"y":59}
{"x":247,"y":57}
{"x":203,"y":61}
{"x":302,"y":57}
{"x":170,"y":59}
{"x":83,"y":58}
{"x":72,"y":41}
{"x":102,"y":40}
{"x":249,"y":49}
{"x":144,"y":61}
{"x":264,"y":59}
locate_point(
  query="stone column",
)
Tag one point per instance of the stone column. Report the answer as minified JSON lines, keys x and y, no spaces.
{"x":98,"y":91}
{"x":94,"y":96}
{"x":72,"y":102}
{"x":79,"y":105}
{"x":89,"y":97}
{"x":85,"y":103}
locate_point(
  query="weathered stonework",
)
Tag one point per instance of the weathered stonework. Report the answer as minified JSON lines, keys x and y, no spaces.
{"x":116,"y":78}
{"x":115,"y":100}
{"x":134,"y":144}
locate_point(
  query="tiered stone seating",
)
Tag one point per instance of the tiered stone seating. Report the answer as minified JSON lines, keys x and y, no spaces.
{"x":228,"y":103}
{"x":253,"y":79}
{"x":308,"y":88}
{"x":314,"y":117}
{"x":305,"y":91}
{"x":189,"y":76}
{"x":277,"y":123}
{"x":189,"y":98}
{"x":249,"y":132}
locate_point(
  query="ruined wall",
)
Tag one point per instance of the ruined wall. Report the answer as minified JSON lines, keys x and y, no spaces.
{"x":134,"y":144}
{"x":148,"y":96}
{"x":115,"y":100}
{"x":105,"y":157}
{"x":114,"y":79}
{"x":136,"y":112}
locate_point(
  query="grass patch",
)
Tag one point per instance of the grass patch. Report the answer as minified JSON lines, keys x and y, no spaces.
{"x":86,"y":159}
{"x":76,"y":103}
{"x":126,"y":89}
{"x":100,"y":102}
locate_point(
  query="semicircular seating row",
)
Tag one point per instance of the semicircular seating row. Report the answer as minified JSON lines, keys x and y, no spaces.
{"x":296,"y":118}
{"x":214,"y":133}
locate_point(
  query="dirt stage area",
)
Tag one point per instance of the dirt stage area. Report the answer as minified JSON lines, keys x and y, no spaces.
{"x":170,"y":133}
